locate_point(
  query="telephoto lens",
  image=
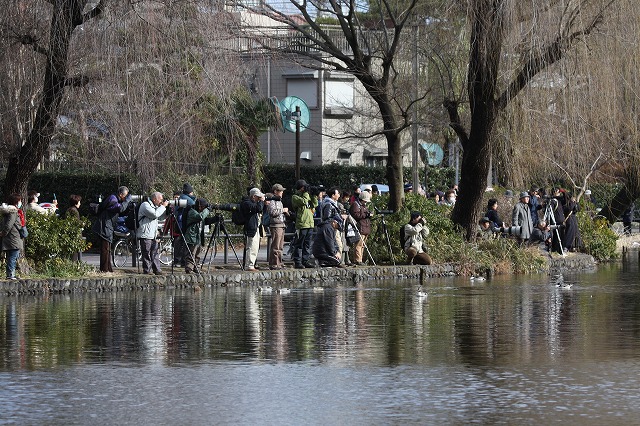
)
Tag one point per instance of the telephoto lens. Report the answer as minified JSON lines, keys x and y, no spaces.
{"x":137,"y":198}
{"x":178,"y":203}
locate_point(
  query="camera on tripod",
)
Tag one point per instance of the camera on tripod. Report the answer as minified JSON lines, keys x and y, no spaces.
{"x":554,"y":227}
{"x":216,"y":218}
{"x":378,"y":211}
{"x":228,"y":207}
{"x":509,"y":230}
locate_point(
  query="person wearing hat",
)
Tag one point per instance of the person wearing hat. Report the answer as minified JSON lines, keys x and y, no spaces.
{"x":521,"y":216}
{"x":252,"y":208}
{"x":192,"y":233}
{"x":304,"y":205}
{"x":414,"y":235}
{"x":408,"y":188}
{"x":484,"y":230}
{"x":277,"y":225}
{"x":362,"y":216}
{"x":534,"y":205}
{"x":325,"y":247}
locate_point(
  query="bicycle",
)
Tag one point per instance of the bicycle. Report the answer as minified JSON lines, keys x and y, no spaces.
{"x":123,"y":249}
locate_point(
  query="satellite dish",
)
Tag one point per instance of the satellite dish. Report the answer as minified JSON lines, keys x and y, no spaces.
{"x":430,"y":153}
{"x":288,"y":113}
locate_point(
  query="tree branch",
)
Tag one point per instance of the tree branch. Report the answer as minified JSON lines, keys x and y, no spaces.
{"x":29,"y":40}
{"x":79,"y":80}
{"x":96,"y":11}
{"x":454,"y":121}
{"x":545,"y":57}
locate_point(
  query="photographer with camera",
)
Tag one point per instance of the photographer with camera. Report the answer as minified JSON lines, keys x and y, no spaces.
{"x":522,"y":217}
{"x":304,"y":205}
{"x":330,"y":208}
{"x":179,"y":246}
{"x":277,"y":225}
{"x":151,"y":211}
{"x":192,"y":232}
{"x":252,"y":208}
{"x":362,"y":216}
{"x":108,"y":213}
{"x":414,"y":237}
{"x":541,"y":234}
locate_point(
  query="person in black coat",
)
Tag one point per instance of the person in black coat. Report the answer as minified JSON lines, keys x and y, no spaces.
{"x":108,"y":213}
{"x":325,"y":248}
{"x":252,"y":208}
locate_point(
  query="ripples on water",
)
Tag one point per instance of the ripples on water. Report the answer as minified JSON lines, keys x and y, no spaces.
{"x":509,"y":350}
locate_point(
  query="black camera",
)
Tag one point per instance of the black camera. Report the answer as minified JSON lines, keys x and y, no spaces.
{"x":315,"y":190}
{"x":213,"y":219}
{"x":228,"y":207}
{"x":273,"y":198}
{"x":378,"y":211}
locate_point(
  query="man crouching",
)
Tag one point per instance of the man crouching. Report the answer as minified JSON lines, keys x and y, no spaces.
{"x":325,"y":248}
{"x":413,"y":240}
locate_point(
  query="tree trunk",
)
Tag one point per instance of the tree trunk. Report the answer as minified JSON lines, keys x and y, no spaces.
{"x":394,"y":172}
{"x":24,"y":164}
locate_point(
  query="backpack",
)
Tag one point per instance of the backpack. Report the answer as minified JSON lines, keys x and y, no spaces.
{"x":238,"y":217}
{"x":266,"y":219}
{"x":132,"y":221}
{"x":183,"y":217}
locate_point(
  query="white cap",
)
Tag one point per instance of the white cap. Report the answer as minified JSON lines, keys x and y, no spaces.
{"x":587,"y":192}
{"x":255,"y":192}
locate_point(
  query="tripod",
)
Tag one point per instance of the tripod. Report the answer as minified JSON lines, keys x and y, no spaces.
{"x":354,"y":224}
{"x":180,"y":237}
{"x":550,"y":218}
{"x":385,"y":231}
{"x":218,"y":219}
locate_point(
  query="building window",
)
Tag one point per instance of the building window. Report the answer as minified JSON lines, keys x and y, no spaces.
{"x":305,"y":89}
{"x":344,"y":157}
{"x":338,"y":94}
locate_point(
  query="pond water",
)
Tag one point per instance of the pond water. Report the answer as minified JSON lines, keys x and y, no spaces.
{"x":509,"y":350}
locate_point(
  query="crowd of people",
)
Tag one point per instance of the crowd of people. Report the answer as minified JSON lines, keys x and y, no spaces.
{"x":330,"y":226}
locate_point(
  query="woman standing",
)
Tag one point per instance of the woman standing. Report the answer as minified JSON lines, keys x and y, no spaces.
{"x":12,"y":223}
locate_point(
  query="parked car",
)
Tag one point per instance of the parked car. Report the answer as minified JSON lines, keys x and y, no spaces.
{"x":382,"y":188}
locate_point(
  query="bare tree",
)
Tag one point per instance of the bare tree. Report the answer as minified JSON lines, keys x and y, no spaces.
{"x":371,"y":55}
{"x":66,"y":16}
{"x":491,"y":22}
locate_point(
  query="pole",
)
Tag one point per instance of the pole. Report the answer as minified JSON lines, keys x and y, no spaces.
{"x":297,"y":118}
{"x":414,"y":125}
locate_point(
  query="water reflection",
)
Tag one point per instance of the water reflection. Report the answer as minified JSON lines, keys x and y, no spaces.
{"x":475,"y":350}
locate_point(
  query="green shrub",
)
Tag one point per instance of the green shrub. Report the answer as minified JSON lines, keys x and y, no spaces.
{"x":53,"y":237}
{"x":598,"y":238}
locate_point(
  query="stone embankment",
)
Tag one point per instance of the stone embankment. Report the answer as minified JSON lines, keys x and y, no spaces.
{"x":282,"y":278}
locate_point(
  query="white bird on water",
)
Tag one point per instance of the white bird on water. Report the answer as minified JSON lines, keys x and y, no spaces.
{"x":284,"y":290}
{"x":265,"y":289}
{"x":478,"y":278}
{"x":564,"y":286}
{"x":421,"y":293}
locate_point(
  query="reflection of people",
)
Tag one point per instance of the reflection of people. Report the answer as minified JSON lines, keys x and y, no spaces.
{"x":151,"y":211}
{"x":10,"y":233}
{"x":415,"y":234}
{"x":325,"y":248}
{"x":251,"y":208}
{"x":108,"y":213}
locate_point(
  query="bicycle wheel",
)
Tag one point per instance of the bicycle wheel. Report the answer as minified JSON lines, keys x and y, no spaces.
{"x":121,"y":253}
{"x":165,"y":251}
